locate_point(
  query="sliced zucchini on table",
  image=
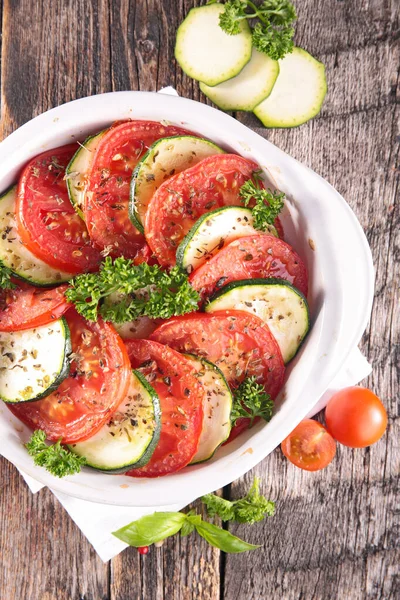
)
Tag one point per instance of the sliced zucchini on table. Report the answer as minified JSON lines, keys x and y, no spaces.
{"x":165,"y":158}
{"x":34,"y":362}
{"x":280,"y":305}
{"x":129,"y":438}
{"x":245,"y":91}
{"x":205,"y":52}
{"x":13,"y":253}
{"x":217,"y":408}
{"x":212,"y":232}
{"x":77,"y":171}
{"x":298,"y":93}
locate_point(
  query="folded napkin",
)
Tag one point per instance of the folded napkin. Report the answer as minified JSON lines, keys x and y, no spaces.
{"x":97,"y":521}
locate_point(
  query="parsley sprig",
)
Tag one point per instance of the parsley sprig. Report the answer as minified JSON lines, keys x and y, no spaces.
{"x":250,"y":509}
{"x":59,"y":461}
{"x":161,"y":525}
{"x":272,"y":33}
{"x":250,"y":400}
{"x":5,"y":278}
{"x":142,"y":290}
{"x":268,"y":203}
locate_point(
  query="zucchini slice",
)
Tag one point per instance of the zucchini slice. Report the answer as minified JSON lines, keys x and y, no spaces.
{"x":13,"y":253}
{"x":245,"y":91}
{"x":129,"y":438}
{"x":165,"y":158}
{"x":212,"y":232}
{"x":280,"y":305}
{"x":205,"y":52}
{"x":217,"y":408}
{"x":298,"y":93}
{"x":77,"y":171}
{"x":34,"y":362}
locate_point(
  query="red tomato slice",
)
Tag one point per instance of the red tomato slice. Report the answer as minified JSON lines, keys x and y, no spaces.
{"x":98,"y":381}
{"x":179,"y":202}
{"x":28,"y":307}
{"x":309,"y":446}
{"x":181,"y":399}
{"x":107,"y":199}
{"x":47,"y":221}
{"x":248,"y":258}
{"x":240,"y":344}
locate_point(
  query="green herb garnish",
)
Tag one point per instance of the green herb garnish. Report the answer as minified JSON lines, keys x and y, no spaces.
{"x":268,"y":203}
{"x":272,"y":33}
{"x":159,"y":526}
{"x":142,"y":290}
{"x":57,"y":460}
{"x":250,"y":509}
{"x":250,"y":400}
{"x":5,"y":278}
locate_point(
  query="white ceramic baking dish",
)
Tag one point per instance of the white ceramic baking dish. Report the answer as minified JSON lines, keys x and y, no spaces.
{"x":318,"y":223}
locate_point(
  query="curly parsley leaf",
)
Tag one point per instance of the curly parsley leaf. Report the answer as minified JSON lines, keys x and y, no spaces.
{"x":138,"y":290}
{"x":5,"y":278}
{"x":250,"y":400}
{"x":57,"y":460}
{"x":268,"y":203}
{"x":250,"y":509}
{"x":273,"y":31}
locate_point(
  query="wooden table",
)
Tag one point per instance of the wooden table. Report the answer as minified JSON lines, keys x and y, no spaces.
{"x":336,"y":532}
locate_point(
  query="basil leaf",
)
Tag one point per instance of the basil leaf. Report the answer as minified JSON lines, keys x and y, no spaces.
{"x":222,"y":539}
{"x":151,"y":528}
{"x":187,"y":528}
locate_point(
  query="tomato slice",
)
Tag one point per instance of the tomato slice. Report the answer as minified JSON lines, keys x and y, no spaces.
{"x":181,"y":398}
{"x":179,"y":202}
{"x":309,"y":446}
{"x":240,"y":344}
{"x":107,"y":199}
{"x":47,"y":221}
{"x":248,"y":258}
{"x":27,"y":307}
{"x":98,"y":381}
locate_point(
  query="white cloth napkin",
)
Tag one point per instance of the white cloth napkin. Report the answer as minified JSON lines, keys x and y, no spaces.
{"x":98,"y":521}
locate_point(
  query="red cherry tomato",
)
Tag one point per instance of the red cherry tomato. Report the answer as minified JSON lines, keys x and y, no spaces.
{"x":309,"y":446}
{"x":356,"y":417}
{"x":143,"y":550}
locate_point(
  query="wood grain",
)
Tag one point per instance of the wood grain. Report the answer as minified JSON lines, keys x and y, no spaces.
{"x":336,"y":533}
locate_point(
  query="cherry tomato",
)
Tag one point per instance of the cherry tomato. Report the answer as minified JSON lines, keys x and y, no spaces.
{"x":181,"y":399}
{"x":47,"y":222}
{"x":309,"y":446}
{"x":249,"y":258}
{"x":27,"y":307}
{"x":107,"y":199}
{"x":143,"y":550}
{"x":99,"y":378}
{"x":356,"y":417}
{"x":183,"y":198}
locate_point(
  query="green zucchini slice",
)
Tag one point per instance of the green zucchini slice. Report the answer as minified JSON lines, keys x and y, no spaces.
{"x":165,"y":158}
{"x":212,"y":232}
{"x":205,"y":52}
{"x":34,"y":362}
{"x":16,"y":256}
{"x":298,"y":93}
{"x":130,"y":437}
{"x":245,"y":91}
{"x":280,"y":305}
{"x":217,"y":408}
{"x":77,"y":171}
